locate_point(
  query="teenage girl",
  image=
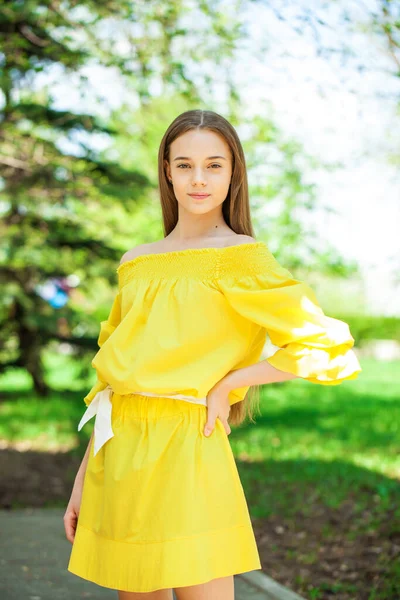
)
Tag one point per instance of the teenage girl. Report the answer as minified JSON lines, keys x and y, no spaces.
{"x":157,"y":504}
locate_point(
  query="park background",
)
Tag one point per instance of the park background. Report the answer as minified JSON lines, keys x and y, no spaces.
{"x":313,"y":90}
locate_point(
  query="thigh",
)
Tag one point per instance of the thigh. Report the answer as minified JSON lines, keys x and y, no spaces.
{"x":217,"y":589}
{"x":157,"y":595}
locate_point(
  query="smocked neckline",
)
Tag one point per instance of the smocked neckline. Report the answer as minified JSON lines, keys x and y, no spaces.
{"x":194,"y":251}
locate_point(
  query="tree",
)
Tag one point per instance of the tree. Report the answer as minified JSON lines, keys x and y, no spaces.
{"x":61,"y":200}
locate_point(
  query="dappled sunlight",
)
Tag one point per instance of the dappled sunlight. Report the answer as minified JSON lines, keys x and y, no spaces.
{"x":353,"y":422}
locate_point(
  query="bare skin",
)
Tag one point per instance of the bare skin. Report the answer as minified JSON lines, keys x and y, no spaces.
{"x":217,"y":589}
{"x":72,"y":511}
{"x":157,"y":595}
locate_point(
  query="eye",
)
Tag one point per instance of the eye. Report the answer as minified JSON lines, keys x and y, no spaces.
{"x":212,"y":165}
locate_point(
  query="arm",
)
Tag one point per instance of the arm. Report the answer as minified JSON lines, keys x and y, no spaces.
{"x":259,"y":373}
{"x":72,"y":511}
{"x":309,"y":343}
{"x":80,"y":476}
{"x":107,"y":327}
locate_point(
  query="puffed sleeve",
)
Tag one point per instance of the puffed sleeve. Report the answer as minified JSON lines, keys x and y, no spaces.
{"x":106,"y":329}
{"x":311,"y":344}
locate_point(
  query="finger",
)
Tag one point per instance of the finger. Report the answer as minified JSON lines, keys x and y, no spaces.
{"x":226,"y":426}
{"x":70,"y":532}
{"x":210,"y":424}
{"x":224,"y":421}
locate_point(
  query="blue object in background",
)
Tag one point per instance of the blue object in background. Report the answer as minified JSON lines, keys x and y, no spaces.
{"x":59,"y":299}
{"x":55,"y":291}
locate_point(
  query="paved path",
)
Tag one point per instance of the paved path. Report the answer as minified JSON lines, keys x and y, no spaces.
{"x":34,"y":554}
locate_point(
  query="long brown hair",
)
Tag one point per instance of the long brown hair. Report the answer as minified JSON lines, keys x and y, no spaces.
{"x":235,"y":208}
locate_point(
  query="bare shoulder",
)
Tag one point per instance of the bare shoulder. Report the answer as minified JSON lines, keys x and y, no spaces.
{"x":136,"y":251}
{"x":241,"y":238}
{"x":161,"y":246}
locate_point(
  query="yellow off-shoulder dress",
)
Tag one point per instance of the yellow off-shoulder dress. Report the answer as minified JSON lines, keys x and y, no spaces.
{"x":162,"y":504}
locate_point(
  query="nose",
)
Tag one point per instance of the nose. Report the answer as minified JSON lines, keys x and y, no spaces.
{"x":198,"y":177}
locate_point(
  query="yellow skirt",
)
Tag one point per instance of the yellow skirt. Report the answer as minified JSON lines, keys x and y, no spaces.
{"x":162,"y":504}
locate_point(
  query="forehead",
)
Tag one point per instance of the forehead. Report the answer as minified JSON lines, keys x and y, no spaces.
{"x":199,"y":144}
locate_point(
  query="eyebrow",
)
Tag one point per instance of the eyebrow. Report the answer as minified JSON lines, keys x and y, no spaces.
{"x":188,"y":158}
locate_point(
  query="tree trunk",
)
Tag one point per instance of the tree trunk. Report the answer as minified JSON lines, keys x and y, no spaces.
{"x":31,"y":351}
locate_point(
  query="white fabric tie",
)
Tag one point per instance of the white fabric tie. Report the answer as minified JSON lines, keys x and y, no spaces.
{"x":101,"y":407}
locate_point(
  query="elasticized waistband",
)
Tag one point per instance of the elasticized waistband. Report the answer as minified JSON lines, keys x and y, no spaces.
{"x":192,"y":399}
{"x":101,"y":406}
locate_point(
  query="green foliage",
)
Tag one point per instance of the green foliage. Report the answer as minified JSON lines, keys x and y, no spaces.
{"x":282,"y":197}
{"x":67,"y":206}
{"x":369,"y":327}
{"x":70,"y":208}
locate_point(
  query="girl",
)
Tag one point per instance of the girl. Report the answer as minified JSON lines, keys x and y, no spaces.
{"x":158,"y":495}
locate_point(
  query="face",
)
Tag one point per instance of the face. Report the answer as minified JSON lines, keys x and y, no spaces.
{"x":199,"y":163}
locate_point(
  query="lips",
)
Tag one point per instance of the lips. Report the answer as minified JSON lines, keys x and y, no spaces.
{"x":199,"y":195}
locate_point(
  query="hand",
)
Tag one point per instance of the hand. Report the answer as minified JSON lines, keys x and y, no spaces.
{"x":217,"y":407}
{"x":72,"y":511}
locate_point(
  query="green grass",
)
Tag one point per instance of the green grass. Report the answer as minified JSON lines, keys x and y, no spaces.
{"x":333,"y":449}
{"x":352,"y":428}
{"x":326,"y":460}
{"x":48,"y":423}
{"x":359,"y":420}
{"x":341,"y":431}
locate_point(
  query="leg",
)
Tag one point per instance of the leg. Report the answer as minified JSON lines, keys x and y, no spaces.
{"x":157,"y":595}
{"x":217,"y":589}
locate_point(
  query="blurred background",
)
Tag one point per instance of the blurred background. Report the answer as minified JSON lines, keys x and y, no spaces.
{"x":313,"y":90}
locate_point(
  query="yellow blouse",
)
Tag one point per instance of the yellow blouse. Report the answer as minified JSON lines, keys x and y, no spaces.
{"x":181,"y":320}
